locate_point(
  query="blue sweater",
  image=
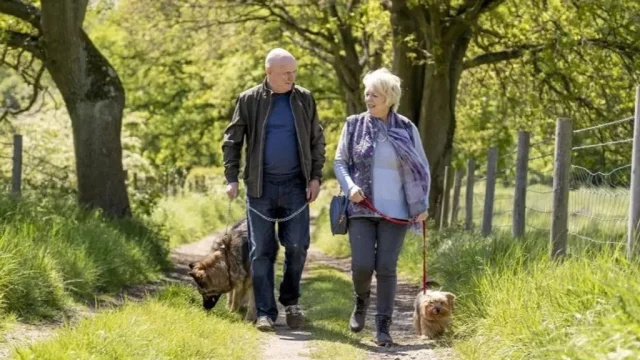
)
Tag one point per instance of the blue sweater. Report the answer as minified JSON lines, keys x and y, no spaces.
{"x":281,"y":156}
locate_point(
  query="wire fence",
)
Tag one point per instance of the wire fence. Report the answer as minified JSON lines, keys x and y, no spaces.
{"x":33,"y":171}
{"x":32,"y":168}
{"x":599,"y":196}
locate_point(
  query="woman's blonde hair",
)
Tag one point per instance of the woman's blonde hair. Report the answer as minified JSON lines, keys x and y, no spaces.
{"x":386,"y":83}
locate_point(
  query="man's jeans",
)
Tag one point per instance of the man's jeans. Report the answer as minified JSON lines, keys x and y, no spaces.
{"x":279,"y":200}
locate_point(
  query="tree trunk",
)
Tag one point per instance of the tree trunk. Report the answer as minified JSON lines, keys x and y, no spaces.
{"x":431,"y":88}
{"x":349,"y":72}
{"x":406,"y":60}
{"x":94,"y":97}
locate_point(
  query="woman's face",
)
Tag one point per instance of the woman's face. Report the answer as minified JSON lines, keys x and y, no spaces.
{"x":375,"y":101}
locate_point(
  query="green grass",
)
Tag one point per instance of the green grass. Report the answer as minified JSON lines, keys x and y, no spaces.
{"x":52,"y":254}
{"x":171,"y":325}
{"x":188,"y":217}
{"x":514,"y":302}
{"x":327,"y":297}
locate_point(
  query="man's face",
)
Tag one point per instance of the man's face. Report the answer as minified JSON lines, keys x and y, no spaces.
{"x":281,"y":75}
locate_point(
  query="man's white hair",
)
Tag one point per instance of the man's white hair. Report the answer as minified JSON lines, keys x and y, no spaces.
{"x":385,"y":83}
{"x":276,"y":55}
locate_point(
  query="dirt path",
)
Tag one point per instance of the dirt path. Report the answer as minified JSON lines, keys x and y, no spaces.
{"x":408,"y":345}
{"x":285,"y":344}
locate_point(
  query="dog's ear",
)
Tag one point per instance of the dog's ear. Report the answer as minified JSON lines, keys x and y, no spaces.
{"x":191,"y":265}
{"x":451,"y":299}
{"x":197,"y":277}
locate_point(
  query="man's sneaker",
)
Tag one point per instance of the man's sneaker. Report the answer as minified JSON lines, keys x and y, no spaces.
{"x":295,"y":316}
{"x":265,"y":324}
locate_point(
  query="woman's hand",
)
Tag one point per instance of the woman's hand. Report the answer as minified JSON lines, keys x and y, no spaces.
{"x":422,"y":217}
{"x":356,"y":194}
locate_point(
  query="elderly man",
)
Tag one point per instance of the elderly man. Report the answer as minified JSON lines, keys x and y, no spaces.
{"x":285,"y":154}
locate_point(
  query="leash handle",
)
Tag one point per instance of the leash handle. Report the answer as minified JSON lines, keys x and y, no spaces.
{"x":227,"y":217}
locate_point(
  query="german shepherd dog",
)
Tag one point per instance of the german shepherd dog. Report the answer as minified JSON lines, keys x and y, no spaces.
{"x":227,"y":270}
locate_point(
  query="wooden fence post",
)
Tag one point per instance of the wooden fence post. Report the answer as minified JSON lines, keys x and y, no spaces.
{"x":16,"y":173}
{"x":634,"y":203}
{"x":456,"y":196}
{"x":489,"y":194}
{"x":561,"y":178}
{"x":471,"y":173}
{"x":520,"y":195}
{"x":446,"y":197}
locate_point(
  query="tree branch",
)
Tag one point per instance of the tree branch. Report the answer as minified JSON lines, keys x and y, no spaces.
{"x":22,"y":11}
{"x":22,"y":41}
{"x":34,"y":96}
{"x":352,"y":5}
{"x":499,"y":56}
{"x":467,"y":15}
{"x":314,"y":50}
{"x":628,"y":50}
{"x":471,"y":9}
{"x":289,"y":20}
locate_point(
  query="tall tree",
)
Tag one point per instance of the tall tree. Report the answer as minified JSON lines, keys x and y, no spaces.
{"x":351,"y":36}
{"x":90,"y":87}
{"x":434,"y":41}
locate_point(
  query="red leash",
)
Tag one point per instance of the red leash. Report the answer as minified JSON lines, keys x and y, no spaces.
{"x":367,"y":204}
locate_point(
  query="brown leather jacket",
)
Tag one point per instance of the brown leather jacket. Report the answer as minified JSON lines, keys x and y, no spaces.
{"x":249,"y":120}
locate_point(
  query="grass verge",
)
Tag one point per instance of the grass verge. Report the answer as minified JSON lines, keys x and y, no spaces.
{"x":171,"y":325}
{"x":515,"y":303}
{"x":52,"y":254}
{"x":188,"y":217}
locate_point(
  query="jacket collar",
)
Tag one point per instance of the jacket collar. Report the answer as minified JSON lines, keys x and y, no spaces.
{"x":266,"y":90}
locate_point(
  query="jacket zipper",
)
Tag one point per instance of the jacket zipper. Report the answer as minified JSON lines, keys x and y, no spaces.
{"x":264,"y":125}
{"x":295,"y":123}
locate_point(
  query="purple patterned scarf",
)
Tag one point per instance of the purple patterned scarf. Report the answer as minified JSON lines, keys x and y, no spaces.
{"x":413,"y":171}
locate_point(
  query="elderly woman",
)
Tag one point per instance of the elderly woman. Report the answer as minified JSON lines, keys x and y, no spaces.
{"x":380,"y":161}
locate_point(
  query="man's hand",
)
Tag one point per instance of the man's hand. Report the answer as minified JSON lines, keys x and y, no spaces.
{"x":313,"y":190}
{"x":422,"y":217}
{"x":356,"y":194}
{"x":232,"y":190}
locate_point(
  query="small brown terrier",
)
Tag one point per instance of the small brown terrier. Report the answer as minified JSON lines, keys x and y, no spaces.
{"x":432,"y":312}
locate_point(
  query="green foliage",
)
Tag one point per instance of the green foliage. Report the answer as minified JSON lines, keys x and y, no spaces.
{"x":191,"y":216}
{"x":182,"y":89}
{"x":582,"y":63}
{"x":53,"y":253}
{"x":513,"y":302}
